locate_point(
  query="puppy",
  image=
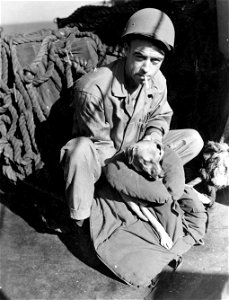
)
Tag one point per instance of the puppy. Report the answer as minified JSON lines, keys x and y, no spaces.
{"x":145,"y":157}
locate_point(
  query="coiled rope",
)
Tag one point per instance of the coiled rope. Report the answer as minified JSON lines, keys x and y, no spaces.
{"x":22,"y":106}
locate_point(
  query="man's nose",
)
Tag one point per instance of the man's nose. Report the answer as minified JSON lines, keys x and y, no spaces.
{"x":146,"y":66}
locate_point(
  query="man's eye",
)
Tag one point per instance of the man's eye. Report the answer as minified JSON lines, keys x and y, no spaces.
{"x":155,"y":61}
{"x":139,"y":57}
{"x":147,"y":163}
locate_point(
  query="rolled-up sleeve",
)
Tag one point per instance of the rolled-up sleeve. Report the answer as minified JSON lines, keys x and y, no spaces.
{"x":90,"y":121}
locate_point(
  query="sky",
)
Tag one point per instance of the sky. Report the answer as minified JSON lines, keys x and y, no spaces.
{"x":20,"y":12}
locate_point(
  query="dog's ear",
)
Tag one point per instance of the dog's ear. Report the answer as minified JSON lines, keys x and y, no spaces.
{"x":130,"y":153}
{"x":162,"y":153}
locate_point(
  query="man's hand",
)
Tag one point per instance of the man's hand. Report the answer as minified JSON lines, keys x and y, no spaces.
{"x":145,"y":156}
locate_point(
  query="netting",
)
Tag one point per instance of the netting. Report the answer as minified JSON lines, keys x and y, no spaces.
{"x":36,"y":70}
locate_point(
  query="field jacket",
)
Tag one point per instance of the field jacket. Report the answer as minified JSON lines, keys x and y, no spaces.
{"x":104,"y":109}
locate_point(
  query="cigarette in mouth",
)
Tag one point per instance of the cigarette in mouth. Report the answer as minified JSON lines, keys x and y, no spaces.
{"x":146,"y":82}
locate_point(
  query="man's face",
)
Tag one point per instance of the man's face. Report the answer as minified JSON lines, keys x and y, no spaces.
{"x":142,"y":59}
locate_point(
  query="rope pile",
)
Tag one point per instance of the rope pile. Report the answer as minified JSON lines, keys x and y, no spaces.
{"x":22,"y":104}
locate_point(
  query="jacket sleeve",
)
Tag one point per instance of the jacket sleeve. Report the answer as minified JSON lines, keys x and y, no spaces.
{"x":89,"y":121}
{"x":159,"y":116}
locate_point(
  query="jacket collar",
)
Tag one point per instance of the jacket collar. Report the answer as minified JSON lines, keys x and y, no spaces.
{"x":118,"y":84}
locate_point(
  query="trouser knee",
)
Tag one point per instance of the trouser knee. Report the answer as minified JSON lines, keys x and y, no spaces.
{"x":82,"y":148}
{"x":197,"y":142}
{"x":82,"y":169}
{"x":75,"y":150}
{"x":79,"y":155}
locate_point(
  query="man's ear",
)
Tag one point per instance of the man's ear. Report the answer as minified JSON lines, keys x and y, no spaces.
{"x":126,"y":48}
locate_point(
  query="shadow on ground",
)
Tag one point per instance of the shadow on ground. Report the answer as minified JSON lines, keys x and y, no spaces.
{"x":189,"y":286}
{"x":48,"y":215}
{"x":38,"y":262}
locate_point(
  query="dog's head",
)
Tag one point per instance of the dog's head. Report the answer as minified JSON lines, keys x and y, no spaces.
{"x":215,"y":169}
{"x":147,"y":159}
